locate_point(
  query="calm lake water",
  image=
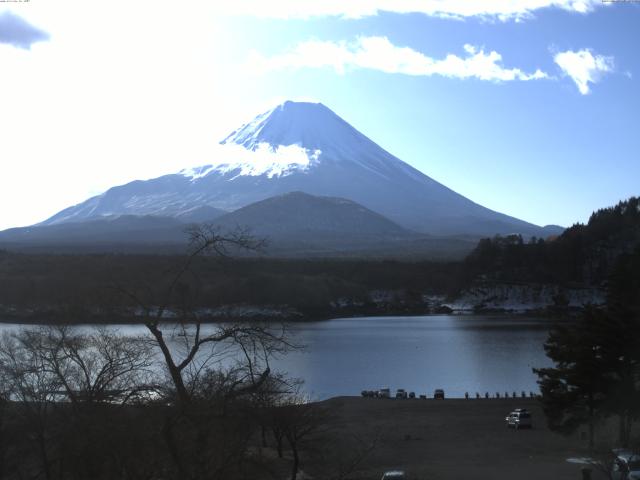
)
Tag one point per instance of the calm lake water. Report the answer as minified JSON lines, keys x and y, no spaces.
{"x":459,"y":353}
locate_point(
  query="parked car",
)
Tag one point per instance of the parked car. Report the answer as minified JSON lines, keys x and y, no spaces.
{"x":384,"y":393}
{"x":438,"y":393}
{"x":401,"y":393}
{"x":412,"y":394}
{"x":519,"y":418}
{"x":394,"y":475}
{"x":626,"y":466}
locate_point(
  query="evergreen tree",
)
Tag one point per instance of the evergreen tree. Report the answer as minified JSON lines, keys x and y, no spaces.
{"x":597,"y":360}
{"x":621,"y":341}
{"x":574,"y":391}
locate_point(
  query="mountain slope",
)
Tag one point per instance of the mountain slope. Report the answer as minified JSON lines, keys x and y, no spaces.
{"x":300,"y":215}
{"x":294,"y":225}
{"x":298,"y":224}
{"x":304,"y":147}
{"x":125,"y":229}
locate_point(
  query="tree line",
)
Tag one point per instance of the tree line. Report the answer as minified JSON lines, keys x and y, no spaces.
{"x":582,"y":254}
{"x":69,"y":288}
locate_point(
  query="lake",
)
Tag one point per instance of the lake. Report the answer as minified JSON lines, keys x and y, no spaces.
{"x":459,"y":353}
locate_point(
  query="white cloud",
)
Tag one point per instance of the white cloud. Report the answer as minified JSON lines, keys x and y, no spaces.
{"x":583,"y":67}
{"x":277,"y":161}
{"x":378,"y":53}
{"x":499,"y":9}
{"x":16,"y":31}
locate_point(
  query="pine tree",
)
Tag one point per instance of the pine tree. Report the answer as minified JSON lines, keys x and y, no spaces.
{"x":621,"y":341}
{"x":597,"y":360}
{"x":574,"y":391}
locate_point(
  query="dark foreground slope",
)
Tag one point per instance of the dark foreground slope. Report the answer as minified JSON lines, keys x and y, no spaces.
{"x":358,"y":438}
{"x":454,"y":439}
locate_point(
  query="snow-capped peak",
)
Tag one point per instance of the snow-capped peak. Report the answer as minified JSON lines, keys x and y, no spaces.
{"x":309,"y":125}
{"x":286,"y":139}
{"x":292,"y":138}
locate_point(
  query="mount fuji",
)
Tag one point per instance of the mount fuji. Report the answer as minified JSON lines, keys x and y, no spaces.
{"x":302,"y":147}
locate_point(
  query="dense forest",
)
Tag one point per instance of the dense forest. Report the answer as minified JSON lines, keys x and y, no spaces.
{"x":584,"y":254}
{"x":74,"y":288}
{"x":80,"y":288}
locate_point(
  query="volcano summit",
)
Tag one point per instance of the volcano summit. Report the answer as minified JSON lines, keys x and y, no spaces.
{"x":303,"y":147}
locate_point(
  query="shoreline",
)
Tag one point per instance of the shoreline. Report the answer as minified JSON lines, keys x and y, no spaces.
{"x":41,"y":318}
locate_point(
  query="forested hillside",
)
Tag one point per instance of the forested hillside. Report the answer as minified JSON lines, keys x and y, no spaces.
{"x":583,"y":254}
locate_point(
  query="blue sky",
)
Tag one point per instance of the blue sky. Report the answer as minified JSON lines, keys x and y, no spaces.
{"x":529,"y":111}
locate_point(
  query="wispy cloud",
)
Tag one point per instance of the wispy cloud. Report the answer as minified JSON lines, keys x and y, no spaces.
{"x":584,"y":67}
{"x":378,"y":53}
{"x":264,"y":159}
{"x":16,"y":31}
{"x":498,"y":9}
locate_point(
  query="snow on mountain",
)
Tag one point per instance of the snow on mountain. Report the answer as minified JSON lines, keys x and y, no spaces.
{"x":310,"y":125}
{"x":264,"y":159}
{"x":304,"y":147}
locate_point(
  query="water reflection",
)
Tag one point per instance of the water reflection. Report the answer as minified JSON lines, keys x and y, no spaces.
{"x":457,"y":353}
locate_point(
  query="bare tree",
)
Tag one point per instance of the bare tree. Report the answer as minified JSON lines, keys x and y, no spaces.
{"x":295,"y":419}
{"x":68,"y":385}
{"x":214,"y":370}
{"x":188,"y":349}
{"x":3,"y":433}
{"x":63,"y":386}
{"x":94,"y":367}
{"x":29,"y":385}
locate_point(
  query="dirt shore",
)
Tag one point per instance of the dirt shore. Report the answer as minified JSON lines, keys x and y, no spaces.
{"x":456,"y":439}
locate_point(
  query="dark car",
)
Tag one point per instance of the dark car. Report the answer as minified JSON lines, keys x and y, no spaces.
{"x":439,"y":393}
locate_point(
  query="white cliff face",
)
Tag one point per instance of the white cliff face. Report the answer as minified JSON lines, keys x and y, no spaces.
{"x":525,"y":297}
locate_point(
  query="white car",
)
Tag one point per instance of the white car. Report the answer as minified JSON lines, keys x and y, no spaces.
{"x":394,"y":475}
{"x":626,"y":465}
{"x":384,"y":393}
{"x":519,"y":418}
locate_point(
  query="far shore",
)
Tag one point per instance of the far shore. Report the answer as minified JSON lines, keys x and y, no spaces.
{"x":41,"y":318}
